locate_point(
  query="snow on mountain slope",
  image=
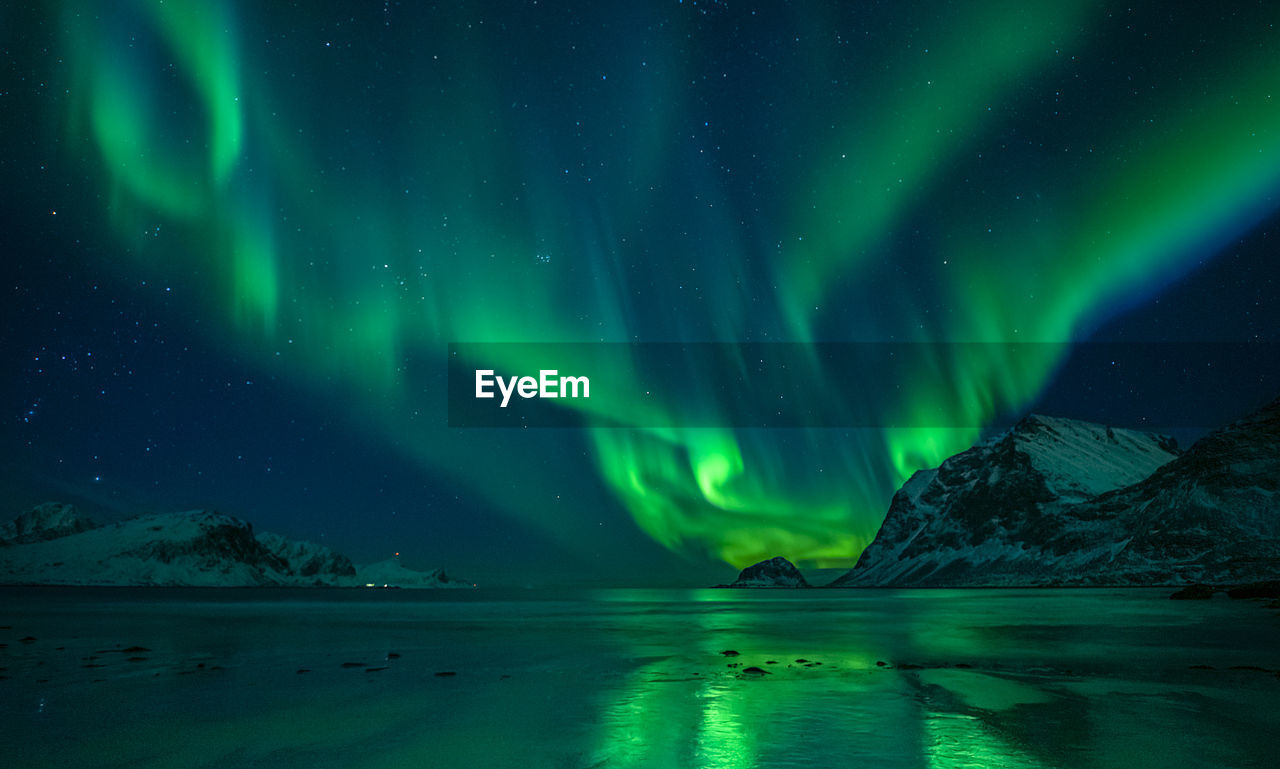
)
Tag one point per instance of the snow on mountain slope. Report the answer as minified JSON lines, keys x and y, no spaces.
{"x":308,"y":559}
{"x":985,"y":515}
{"x":54,"y":545}
{"x":1082,"y":459}
{"x":192,"y":548}
{"x":1212,"y":515}
{"x":48,"y":521}
{"x":391,"y":573}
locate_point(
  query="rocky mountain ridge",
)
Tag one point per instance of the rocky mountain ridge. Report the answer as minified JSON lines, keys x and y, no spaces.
{"x":54,"y":544}
{"x":775,"y":572}
{"x":1061,"y":502}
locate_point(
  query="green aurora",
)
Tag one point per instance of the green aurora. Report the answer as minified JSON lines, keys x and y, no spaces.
{"x":351,"y":204}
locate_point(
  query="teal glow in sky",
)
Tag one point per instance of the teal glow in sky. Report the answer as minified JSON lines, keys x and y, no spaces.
{"x":345,"y":191}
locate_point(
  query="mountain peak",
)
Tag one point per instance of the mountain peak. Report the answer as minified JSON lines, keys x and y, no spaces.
{"x":775,"y":572}
{"x":1059,"y":501}
{"x":391,"y":572}
{"x":1083,"y":459}
{"x":53,"y":545}
{"x":1002,"y":496}
{"x":50,"y":520}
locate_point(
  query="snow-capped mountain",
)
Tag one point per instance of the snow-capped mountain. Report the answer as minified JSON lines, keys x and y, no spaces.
{"x":775,"y":572}
{"x":390,"y":572}
{"x":1003,"y":511}
{"x":307,"y":559}
{"x":1212,"y":515}
{"x":47,"y":521}
{"x":54,"y":545}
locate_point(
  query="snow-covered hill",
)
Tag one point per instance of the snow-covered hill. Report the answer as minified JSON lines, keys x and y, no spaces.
{"x":47,"y":521}
{"x":986,"y":515}
{"x":1212,"y":515}
{"x":1056,"y":501}
{"x":54,"y":545}
{"x":391,"y":573}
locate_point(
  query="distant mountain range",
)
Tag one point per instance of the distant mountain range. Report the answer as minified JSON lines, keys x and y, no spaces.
{"x":53,"y":544}
{"x":1063,"y":502}
{"x":1050,"y":502}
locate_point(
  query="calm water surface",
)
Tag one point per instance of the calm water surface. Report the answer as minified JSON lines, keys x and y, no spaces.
{"x":635,"y":678}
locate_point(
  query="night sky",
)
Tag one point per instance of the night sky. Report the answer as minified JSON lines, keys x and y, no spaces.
{"x":237,"y":239}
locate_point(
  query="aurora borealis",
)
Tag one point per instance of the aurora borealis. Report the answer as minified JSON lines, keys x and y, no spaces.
{"x":332,"y":194}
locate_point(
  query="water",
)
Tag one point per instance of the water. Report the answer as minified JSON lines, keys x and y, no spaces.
{"x":635,"y":678}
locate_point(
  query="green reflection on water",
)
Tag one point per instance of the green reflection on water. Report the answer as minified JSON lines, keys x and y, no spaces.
{"x":637,"y":678}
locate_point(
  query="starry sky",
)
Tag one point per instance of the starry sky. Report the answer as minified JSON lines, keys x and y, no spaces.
{"x":239,"y":237}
